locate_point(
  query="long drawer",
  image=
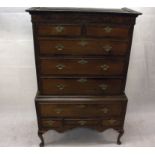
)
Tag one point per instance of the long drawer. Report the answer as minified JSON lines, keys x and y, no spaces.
{"x":82,"y":47}
{"x":82,"y":109}
{"x":83,"y":66}
{"x":80,"y":86}
{"x":58,"y":123}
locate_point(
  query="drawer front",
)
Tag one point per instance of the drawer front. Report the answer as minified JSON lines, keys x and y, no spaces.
{"x":50,"y":109}
{"x":51,"y":123}
{"x":108,"y":31}
{"x":49,"y":66}
{"x":83,"y":47}
{"x":93,"y":122}
{"x":58,"y":123}
{"x":80,"y":86}
{"x":58,"y":30}
{"x":111,"y":122}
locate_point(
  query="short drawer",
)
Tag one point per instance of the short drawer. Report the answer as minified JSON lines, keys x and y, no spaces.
{"x":83,"y":109}
{"x":80,"y":86}
{"x":112,"y":122}
{"x":108,"y":31}
{"x":87,"y":66}
{"x":51,"y":123}
{"x":83,"y":47}
{"x":58,"y":30}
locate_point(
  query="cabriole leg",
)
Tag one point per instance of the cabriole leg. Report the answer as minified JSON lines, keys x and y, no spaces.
{"x":121,"y":132}
{"x":40,"y":134}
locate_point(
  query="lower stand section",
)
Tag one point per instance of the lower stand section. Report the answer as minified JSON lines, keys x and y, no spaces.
{"x":40,"y":134}
{"x":98,"y":113}
{"x":121,"y":132}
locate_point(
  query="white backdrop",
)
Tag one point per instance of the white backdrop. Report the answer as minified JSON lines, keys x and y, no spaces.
{"x":18,"y":87}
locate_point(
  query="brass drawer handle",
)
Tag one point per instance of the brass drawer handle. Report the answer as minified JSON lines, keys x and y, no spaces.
{"x":103,"y":86}
{"x":60,"y":66}
{"x":60,"y":86}
{"x":108,"y":29}
{"x":59,"y":28}
{"x":105,"y":110}
{"x":50,"y":123}
{"x":58,"y":111}
{"x":83,"y":43}
{"x":107,"y":48}
{"x":105,"y":67}
{"x":59,"y":47}
{"x":82,"y":122}
{"x":81,"y":106}
{"x":82,"y":80}
{"x":82,"y":61}
{"x":112,"y":121}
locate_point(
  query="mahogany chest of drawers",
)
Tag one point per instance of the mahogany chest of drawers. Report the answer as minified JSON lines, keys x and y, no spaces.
{"x":82,"y":58}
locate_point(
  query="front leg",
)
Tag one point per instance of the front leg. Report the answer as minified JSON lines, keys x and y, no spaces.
{"x":40,"y":134}
{"x":121,"y":132}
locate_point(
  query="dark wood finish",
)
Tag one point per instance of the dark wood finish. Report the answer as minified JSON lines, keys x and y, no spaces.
{"x":58,"y":30}
{"x":51,"y":123}
{"x":110,"y":31}
{"x":82,"y":58}
{"x":81,"y":109}
{"x":81,"y":66}
{"x":121,"y":132}
{"x":122,"y":11}
{"x":82,"y":46}
{"x":92,"y":122}
{"x":80,"y":86}
{"x":40,"y":135}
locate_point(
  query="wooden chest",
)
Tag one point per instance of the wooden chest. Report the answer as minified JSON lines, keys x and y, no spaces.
{"x":82,"y":58}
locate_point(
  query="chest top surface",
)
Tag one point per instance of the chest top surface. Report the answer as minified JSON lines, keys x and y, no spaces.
{"x":125,"y":11}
